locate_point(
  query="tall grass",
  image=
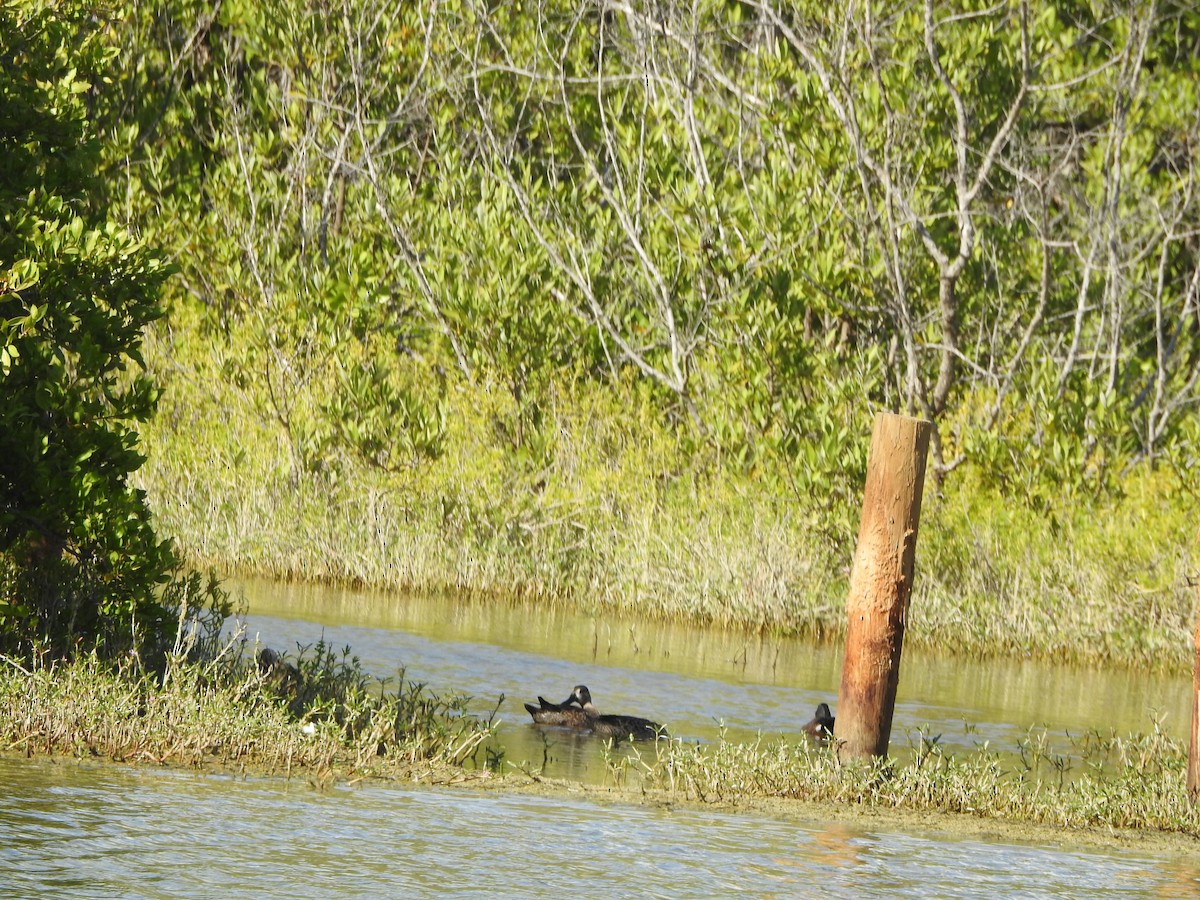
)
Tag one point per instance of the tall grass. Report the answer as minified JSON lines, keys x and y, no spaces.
{"x":229,"y":714}
{"x":613,"y":512}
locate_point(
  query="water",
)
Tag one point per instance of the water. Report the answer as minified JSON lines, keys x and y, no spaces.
{"x":85,"y":831}
{"x":90,"y":830}
{"x":699,"y":682}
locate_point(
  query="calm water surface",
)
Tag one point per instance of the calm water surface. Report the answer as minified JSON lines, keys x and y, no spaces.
{"x":71,"y":830}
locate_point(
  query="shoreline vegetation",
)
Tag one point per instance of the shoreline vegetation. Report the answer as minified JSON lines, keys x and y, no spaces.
{"x":703,"y":547}
{"x":229,"y":719}
{"x":642,"y":528}
{"x":590,"y":306}
{"x":317,"y":718}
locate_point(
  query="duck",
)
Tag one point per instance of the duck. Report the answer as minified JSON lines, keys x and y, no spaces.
{"x":579,"y":712}
{"x":819,"y":729}
{"x":564,"y":715}
{"x":615,"y":726}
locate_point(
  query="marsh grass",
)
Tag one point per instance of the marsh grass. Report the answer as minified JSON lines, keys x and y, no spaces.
{"x":242,"y":719}
{"x":615,"y":514}
{"x":1127,"y":782}
{"x":233,"y":715}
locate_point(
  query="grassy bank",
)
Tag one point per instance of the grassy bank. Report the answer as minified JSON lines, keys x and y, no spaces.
{"x":239,"y":722}
{"x":1114,"y":782}
{"x":321,"y":721}
{"x":614,"y":512}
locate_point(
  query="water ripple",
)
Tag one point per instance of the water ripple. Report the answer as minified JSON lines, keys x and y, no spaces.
{"x":97,"y":831}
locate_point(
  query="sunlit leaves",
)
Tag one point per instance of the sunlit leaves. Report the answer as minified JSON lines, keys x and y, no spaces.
{"x":527,"y":194}
{"x":76,"y":292}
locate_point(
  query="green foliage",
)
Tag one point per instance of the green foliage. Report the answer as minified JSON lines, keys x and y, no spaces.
{"x":594,"y":268}
{"x":388,"y":425}
{"x":80,"y":560}
{"x":581,"y":193}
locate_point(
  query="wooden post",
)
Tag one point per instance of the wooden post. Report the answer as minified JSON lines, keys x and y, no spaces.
{"x":881,"y":584}
{"x":1193,"y":768}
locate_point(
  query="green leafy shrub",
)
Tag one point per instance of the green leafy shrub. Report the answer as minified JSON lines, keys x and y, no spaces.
{"x":79,"y":558}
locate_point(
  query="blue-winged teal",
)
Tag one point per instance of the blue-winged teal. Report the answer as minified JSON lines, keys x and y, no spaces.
{"x":820,"y":727}
{"x":615,"y":726}
{"x":585,"y":717}
{"x":564,"y":715}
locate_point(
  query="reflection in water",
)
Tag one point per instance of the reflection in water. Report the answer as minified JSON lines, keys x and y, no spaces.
{"x":700,"y":682}
{"x":833,"y":847}
{"x":69,"y":830}
{"x":1180,"y":880}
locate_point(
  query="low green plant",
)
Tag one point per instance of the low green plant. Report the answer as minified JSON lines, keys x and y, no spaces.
{"x":1095,"y":780}
{"x":615,"y":515}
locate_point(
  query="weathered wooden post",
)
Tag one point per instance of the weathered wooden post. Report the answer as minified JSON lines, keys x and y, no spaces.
{"x":881,"y":584}
{"x":1193,"y":770}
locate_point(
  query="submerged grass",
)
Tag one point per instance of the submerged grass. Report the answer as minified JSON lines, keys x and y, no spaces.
{"x":1130,"y":782}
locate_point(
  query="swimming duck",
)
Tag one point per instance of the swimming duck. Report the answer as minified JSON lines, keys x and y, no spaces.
{"x":820,"y":727}
{"x":564,"y":715}
{"x":584,"y":716}
{"x":615,"y":726}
